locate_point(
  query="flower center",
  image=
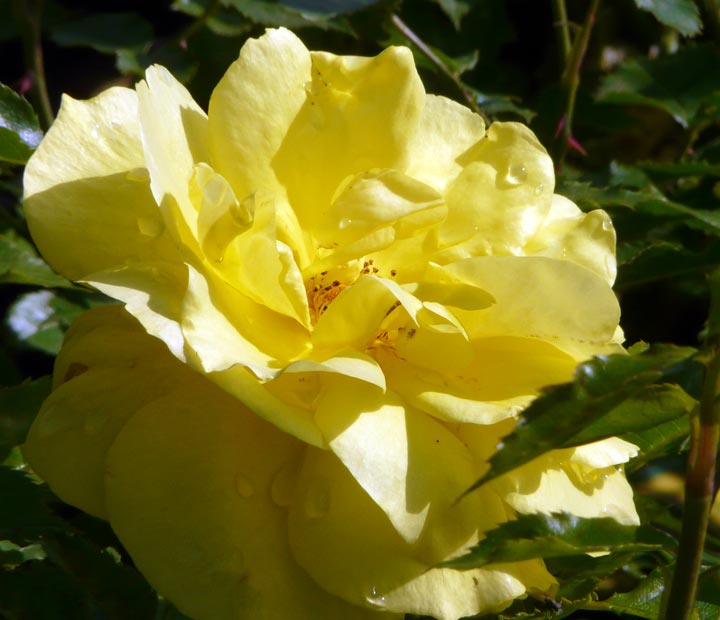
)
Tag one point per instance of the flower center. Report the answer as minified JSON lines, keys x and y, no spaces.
{"x":324,"y":287}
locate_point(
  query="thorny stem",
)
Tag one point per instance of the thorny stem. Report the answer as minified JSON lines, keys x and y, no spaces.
{"x":29,"y":14}
{"x":700,"y":477}
{"x":562,"y":28}
{"x":571,"y":78}
{"x":405,"y":30}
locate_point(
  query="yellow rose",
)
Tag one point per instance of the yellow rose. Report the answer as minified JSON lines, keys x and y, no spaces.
{"x":353,"y":289}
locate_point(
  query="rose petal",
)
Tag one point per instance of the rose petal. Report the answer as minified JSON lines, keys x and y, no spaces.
{"x":93,"y":210}
{"x":507,"y":373}
{"x":108,"y":369}
{"x":200,"y":522}
{"x":174,"y":134}
{"x":357,"y":115}
{"x":587,"y":239}
{"x":552,"y":300}
{"x":445,"y":131}
{"x":411,"y":466}
{"x":517,"y":179}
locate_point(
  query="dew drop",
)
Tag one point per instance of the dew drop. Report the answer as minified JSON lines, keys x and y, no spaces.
{"x":283,"y":484}
{"x":317,"y":500}
{"x":345,"y":222}
{"x":95,"y":133}
{"x":243,"y":487}
{"x":607,"y":225}
{"x":516,"y":174}
{"x":374,"y":598}
{"x":539,"y":189}
{"x":151,"y":226}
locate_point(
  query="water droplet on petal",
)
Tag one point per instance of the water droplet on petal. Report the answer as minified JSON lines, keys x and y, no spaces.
{"x":152,"y":226}
{"x":539,"y":189}
{"x":317,"y":500}
{"x":95,"y":133}
{"x":345,"y":222}
{"x":283,"y":484}
{"x":516,"y":174}
{"x":607,"y":225}
{"x":374,"y":598}
{"x":243,"y":486}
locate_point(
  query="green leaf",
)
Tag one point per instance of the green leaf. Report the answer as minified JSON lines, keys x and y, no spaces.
{"x":29,"y":516}
{"x":19,"y":405}
{"x":680,"y":83}
{"x":642,"y":263}
{"x":224,"y":21}
{"x":571,"y":414}
{"x":682,"y":15}
{"x":680,"y":169}
{"x":655,"y":405}
{"x":275,"y":14}
{"x":643,"y":601}
{"x":328,"y":7}
{"x":455,"y":10}
{"x":20,"y":131}
{"x":41,"y":318}
{"x":40,"y":591}
{"x":651,"y":201}
{"x":20,"y":263}
{"x":495,"y":106}
{"x":12,"y":554}
{"x":113,"y":590}
{"x":558,"y":535}
{"x":105,"y":32}
{"x":665,"y":439}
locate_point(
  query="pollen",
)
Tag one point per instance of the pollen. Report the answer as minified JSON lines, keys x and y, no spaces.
{"x":324,"y":287}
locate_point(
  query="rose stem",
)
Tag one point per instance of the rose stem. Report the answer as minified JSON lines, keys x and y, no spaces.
{"x":700,"y":477}
{"x":562,"y":28}
{"x":404,"y":29}
{"x":571,"y":77}
{"x":29,"y":14}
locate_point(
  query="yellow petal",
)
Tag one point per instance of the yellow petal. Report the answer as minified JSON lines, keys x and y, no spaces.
{"x":200,"y":523}
{"x":108,"y":368}
{"x":517,"y":179}
{"x":93,"y":210}
{"x":587,"y":239}
{"x":545,"y":485}
{"x":445,"y":131}
{"x":353,"y":319}
{"x":600,"y":454}
{"x":174,"y":132}
{"x":218,"y":322}
{"x":375,"y":199}
{"x":264,"y":268}
{"x":253,"y":106}
{"x":410,"y":465}
{"x":448,"y":594}
{"x":376,"y":567}
{"x":250,"y":112}
{"x":358,"y":114}
{"x":553,"y":300}
{"x":152,"y":293}
{"x":507,"y":373}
